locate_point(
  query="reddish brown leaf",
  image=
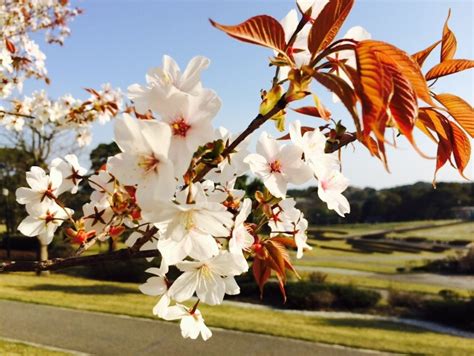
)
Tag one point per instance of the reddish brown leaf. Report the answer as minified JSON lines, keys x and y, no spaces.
{"x":339,"y":87}
{"x":374,"y":88}
{"x":10,"y":46}
{"x":275,"y":259}
{"x":285,"y":241}
{"x":408,"y":67}
{"x":262,"y":30}
{"x":403,"y":104}
{"x":448,"y":42}
{"x":452,"y":140}
{"x":92,"y":91}
{"x":449,"y":66}
{"x":424,"y":126}
{"x":438,"y":122}
{"x":461,"y":148}
{"x":460,"y":110}
{"x":261,"y":273}
{"x":313,"y":111}
{"x":327,"y":24}
{"x":421,"y":56}
{"x":372,"y":146}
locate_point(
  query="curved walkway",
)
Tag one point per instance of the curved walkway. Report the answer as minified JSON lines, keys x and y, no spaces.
{"x":443,"y":280}
{"x":104,"y":334}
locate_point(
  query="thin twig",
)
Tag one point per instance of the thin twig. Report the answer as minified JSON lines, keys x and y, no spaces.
{"x":61,"y":263}
{"x":254,"y":125}
{"x":16,"y":114}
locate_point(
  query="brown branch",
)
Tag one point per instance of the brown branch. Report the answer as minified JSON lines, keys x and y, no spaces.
{"x":16,"y":114}
{"x":343,"y":141}
{"x":61,"y":263}
{"x":147,"y":236}
{"x":258,"y":121}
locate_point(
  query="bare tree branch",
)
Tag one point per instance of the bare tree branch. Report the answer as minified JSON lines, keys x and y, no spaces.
{"x":61,"y":263}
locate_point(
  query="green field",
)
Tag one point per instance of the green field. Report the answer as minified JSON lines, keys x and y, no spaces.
{"x":339,"y":254}
{"x":345,"y":230}
{"x":463,"y":231}
{"x":124,"y":298}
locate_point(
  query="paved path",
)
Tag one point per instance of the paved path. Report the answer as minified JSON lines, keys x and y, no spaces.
{"x":442,"y":280}
{"x":105,"y":334}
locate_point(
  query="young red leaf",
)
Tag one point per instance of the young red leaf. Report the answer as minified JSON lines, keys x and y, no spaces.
{"x":449,"y":66}
{"x":461,"y":148}
{"x":339,"y":87}
{"x":261,"y":273}
{"x":10,"y":46}
{"x":262,"y":30}
{"x":403,"y":104}
{"x":285,"y":241}
{"x":437,"y":122}
{"x":327,"y":24}
{"x":314,"y":111}
{"x":408,"y":67}
{"x":421,"y":56}
{"x":374,"y":89}
{"x":448,"y":42}
{"x":460,"y":110}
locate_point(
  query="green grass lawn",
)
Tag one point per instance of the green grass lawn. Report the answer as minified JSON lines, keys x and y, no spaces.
{"x":123,"y":298}
{"x":343,"y":230}
{"x":463,"y":231}
{"x":376,"y":283}
{"x":19,"y":349}
{"x":339,"y":254}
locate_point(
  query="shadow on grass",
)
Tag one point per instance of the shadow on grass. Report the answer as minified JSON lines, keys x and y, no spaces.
{"x":92,"y":289}
{"x":373,"y":324}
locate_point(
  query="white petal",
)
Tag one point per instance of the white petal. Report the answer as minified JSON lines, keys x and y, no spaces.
{"x":192,"y":74}
{"x":154,"y":286}
{"x":231,"y":286}
{"x":210,"y":288}
{"x":184,"y":286}
{"x":31,"y":226}
{"x":276,"y":184}
{"x":189,"y":327}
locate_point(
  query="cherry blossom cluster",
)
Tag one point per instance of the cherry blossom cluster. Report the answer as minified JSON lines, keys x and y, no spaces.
{"x":38,"y":112}
{"x":20,"y":55}
{"x":206,"y":229}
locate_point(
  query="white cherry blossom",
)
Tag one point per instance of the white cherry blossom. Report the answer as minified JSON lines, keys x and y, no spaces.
{"x":157,"y":286}
{"x":313,"y":143}
{"x":331,"y":184}
{"x":71,"y":172}
{"x":167,"y":80}
{"x":278,"y":165}
{"x":43,"y":187}
{"x":144,"y":158}
{"x":241,"y":238}
{"x":210,"y":279}
{"x":192,"y":322}
{"x":189,"y":118}
{"x":43,"y":220}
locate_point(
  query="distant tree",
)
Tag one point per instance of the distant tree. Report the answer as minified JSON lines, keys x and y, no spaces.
{"x":100,"y":154}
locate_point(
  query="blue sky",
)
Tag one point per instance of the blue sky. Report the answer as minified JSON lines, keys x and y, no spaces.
{"x":116,"y":41}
